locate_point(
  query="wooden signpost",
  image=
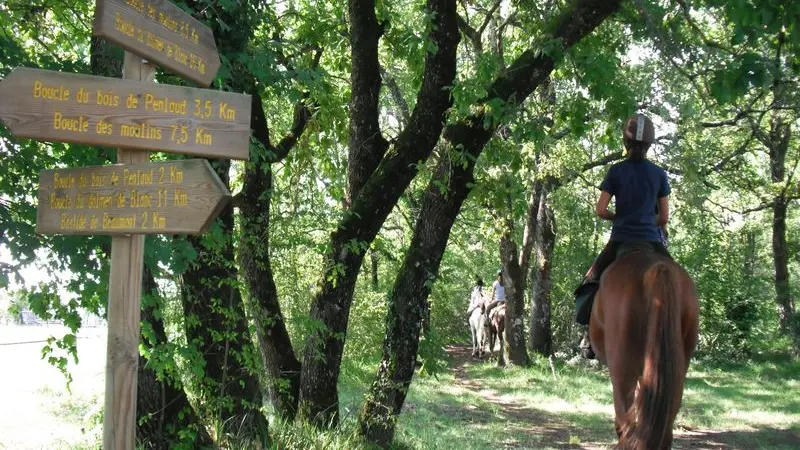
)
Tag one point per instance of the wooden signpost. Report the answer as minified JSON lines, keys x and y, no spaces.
{"x":133,"y":197}
{"x":162,"y":33}
{"x":174,"y":197}
{"x":84,"y":109}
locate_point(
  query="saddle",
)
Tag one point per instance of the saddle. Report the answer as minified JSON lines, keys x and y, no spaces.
{"x":494,"y":310}
{"x":584,"y":294}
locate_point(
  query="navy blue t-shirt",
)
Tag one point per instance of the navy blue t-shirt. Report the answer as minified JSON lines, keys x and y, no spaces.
{"x":636,"y":187}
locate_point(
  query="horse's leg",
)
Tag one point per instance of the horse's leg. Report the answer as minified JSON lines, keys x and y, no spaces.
{"x":625,"y":363}
{"x":481,"y":330}
{"x":501,"y":336}
{"x":474,"y":338}
{"x":491,"y":339}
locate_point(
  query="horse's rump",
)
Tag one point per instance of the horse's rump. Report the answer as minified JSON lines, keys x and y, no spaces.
{"x":644,"y":327}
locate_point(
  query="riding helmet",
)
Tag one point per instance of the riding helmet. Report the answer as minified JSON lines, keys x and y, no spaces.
{"x":639,"y":128}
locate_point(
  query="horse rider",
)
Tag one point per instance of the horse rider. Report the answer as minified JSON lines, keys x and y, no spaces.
{"x":476,"y":297}
{"x":498,"y":294}
{"x":640,"y":189}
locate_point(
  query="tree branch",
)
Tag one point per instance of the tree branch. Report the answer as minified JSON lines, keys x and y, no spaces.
{"x":471,"y":34}
{"x":488,"y":18}
{"x":367,"y":146}
{"x":693,"y":25}
{"x":397,"y":96}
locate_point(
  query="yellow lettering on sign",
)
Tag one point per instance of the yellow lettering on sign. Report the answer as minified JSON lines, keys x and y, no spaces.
{"x":79,"y":125}
{"x":99,"y":201}
{"x":63,"y":182}
{"x":226,"y":112}
{"x":136,"y":4}
{"x":139,"y":200}
{"x":104,"y":127}
{"x":137,"y":177}
{"x":82,"y":96}
{"x":98,"y":179}
{"x":159,"y":221}
{"x":72,"y":222}
{"x":59,"y":92}
{"x":125,"y":27}
{"x":141,"y":131}
{"x":179,"y":198}
{"x":162,"y":198}
{"x":164,"y":105}
{"x":180,"y":134}
{"x":107,"y":98}
{"x":167,"y":21}
{"x":175,"y":175}
{"x":203,"y":137}
{"x":60,"y":201}
{"x":154,"y":42}
{"x":116,"y":223}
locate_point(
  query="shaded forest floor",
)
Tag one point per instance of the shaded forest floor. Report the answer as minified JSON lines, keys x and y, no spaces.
{"x":478,"y":405}
{"x":470,"y":404}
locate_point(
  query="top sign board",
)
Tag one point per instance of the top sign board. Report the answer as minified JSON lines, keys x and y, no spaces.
{"x":84,"y":109}
{"x":160,"y":32}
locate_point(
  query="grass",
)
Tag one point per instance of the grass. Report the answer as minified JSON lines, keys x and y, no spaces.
{"x":751,"y":406}
{"x":479,"y":406}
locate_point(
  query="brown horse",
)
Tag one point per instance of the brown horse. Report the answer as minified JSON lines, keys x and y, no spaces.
{"x":497,"y":328}
{"x":644,"y":327}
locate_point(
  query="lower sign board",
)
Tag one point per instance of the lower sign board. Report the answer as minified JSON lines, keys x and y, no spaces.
{"x":111,"y":112}
{"x":174,"y":197}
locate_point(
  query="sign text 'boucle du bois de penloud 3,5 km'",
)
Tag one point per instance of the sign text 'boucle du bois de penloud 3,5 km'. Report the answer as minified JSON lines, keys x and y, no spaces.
{"x":159,"y":31}
{"x":85,"y":109}
{"x":171,"y":197}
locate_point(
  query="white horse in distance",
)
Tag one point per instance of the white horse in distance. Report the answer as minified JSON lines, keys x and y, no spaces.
{"x":477,"y":321}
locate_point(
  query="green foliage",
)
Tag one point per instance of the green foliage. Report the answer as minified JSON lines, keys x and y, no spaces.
{"x":707,"y":63}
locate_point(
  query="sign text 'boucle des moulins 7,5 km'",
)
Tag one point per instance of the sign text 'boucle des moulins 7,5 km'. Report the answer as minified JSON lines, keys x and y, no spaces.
{"x":85,"y":109}
{"x":172,"y":197}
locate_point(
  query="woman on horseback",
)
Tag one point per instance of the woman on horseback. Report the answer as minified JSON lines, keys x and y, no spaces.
{"x":498,"y":293}
{"x":640,"y":189}
{"x":476,"y":297}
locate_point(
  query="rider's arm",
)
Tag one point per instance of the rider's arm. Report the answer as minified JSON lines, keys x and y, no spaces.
{"x":663,"y":211}
{"x":602,"y":206}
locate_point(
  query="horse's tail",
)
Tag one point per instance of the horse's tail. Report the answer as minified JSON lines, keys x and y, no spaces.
{"x":661,"y":385}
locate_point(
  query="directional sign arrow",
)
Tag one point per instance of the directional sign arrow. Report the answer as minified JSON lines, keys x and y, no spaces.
{"x":65,"y":107}
{"x":160,"y":32}
{"x":174,"y":197}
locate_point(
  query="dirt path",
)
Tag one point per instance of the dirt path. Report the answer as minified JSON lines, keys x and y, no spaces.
{"x":529,"y":427}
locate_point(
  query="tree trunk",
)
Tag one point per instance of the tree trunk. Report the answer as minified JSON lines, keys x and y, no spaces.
{"x":541,"y":332}
{"x":374,"y":259}
{"x":408,"y":303}
{"x":215,"y":321}
{"x":385,"y":401}
{"x":514,"y":280}
{"x":281,"y":366}
{"x":216,"y":325}
{"x":164,"y":417}
{"x":371,"y":204}
{"x":780,"y":253}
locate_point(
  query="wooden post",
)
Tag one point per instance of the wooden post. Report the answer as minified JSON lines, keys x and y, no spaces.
{"x":124,"y":298}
